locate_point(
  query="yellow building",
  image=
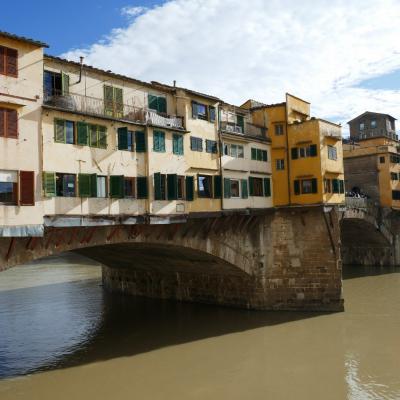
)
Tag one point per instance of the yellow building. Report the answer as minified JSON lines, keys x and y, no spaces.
{"x":307,"y":165}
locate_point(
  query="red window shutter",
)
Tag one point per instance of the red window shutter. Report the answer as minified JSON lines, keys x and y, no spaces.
{"x":27,"y":188}
{"x":12,"y":123}
{"x":2,"y":60}
{"x":2,"y":122}
{"x":12,"y":62}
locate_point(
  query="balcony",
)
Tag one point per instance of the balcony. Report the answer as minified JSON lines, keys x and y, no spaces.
{"x":99,"y":108}
{"x":247,"y":129}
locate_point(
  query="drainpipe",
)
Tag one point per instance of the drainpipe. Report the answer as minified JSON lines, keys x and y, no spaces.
{"x":287,"y":152}
{"x":80,"y":72}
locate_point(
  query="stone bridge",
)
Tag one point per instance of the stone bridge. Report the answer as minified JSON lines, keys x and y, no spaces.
{"x":369,"y":233}
{"x":284,"y":259}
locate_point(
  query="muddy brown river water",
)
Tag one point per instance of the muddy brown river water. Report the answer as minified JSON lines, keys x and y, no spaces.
{"x":63,"y":337}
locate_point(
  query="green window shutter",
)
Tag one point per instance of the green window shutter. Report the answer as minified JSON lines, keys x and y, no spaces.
{"x":264,"y":155}
{"x":59,"y":131}
{"x":314,"y":185}
{"x":84,"y":185}
{"x":341,"y":186}
{"x":152,"y":102}
{"x":118,"y":98}
{"x":83,"y":136}
{"x":313,"y":150}
{"x":159,"y":141}
{"x":157,"y":186}
{"x":142,"y":191}
{"x":108,"y":100}
{"x":296,"y":186}
{"x":64,"y":84}
{"x":251,"y":186}
{"x":227,"y":188}
{"x":259,"y":155}
{"x":189,"y":183}
{"x":93,"y":185}
{"x":177,"y":144}
{"x":245,"y":192}
{"x":140,"y":142}
{"x":117,"y":186}
{"x":102,"y":131}
{"x":294,"y":153}
{"x":194,"y":110}
{"x":172,"y":186}
{"x":335,"y":185}
{"x":123,"y":138}
{"x":93,"y":136}
{"x":217,"y":186}
{"x":162,"y":104}
{"x":267,"y":187}
{"x":49,"y":184}
{"x":240,"y":121}
{"x":253,"y":153}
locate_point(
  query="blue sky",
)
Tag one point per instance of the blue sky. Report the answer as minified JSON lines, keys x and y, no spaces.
{"x":329,"y":52}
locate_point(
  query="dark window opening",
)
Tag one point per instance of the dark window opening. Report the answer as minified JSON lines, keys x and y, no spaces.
{"x":205,"y":186}
{"x":65,"y":185}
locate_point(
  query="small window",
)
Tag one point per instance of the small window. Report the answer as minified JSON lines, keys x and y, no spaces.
{"x":177,"y":144}
{"x":373,"y":123}
{"x":256,"y":186}
{"x":181,"y":187}
{"x":158,"y":141}
{"x":8,"y":187}
{"x":199,"y":111}
{"x":196,"y":144}
{"x":211,"y":146}
{"x":64,"y":131}
{"x":332,"y":152}
{"x":280,"y":164}
{"x":396,"y":194}
{"x":279,"y":130}
{"x":382,"y":159}
{"x":306,"y":186}
{"x":8,"y":123}
{"x":65,"y":185}
{"x":394,"y":176}
{"x":205,"y":186}
{"x":157,"y":103}
{"x":211,"y":113}
{"x":235,"y":188}
{"x":101,"y":186}
{"x":362,"y":126}
{"x":8,"y":61}
{"x":233,"y":151}
{"x":129,"y":187}
{"x":240,"y":151}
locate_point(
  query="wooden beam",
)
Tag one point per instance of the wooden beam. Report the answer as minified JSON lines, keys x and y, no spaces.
{"x":114,"y":232}
{"x":10,"y":248}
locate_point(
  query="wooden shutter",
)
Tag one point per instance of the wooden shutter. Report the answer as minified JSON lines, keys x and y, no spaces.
{"x":294,"y":153}
{"x":11,"y":123}
{"x":335,"y":186}
{"x":264,"y":155}
{"x":84,"y":185}
{"x":3,"y":117}
{"x":142,"y":192}
{"x":93,"y":185}
{"x":93,"y":136}
{"x":259,"y":155}
{"x":11,"y":62}
{"x":27,"y":188}
{"x":123,"y":138}
{"x":240,"y":121}
{"x":59,"y":130}
{"x":314,"y":186}
{"x":313,"y":150}
{"x":227,"y":188}
{"x":49,"y":184}
{"x":194,"y":110}
{"x":217,"y":186}
{"x":140,"y":142}
{"x":162,"y":104}
{"x":211,"y":113}
{"x":64,"y":84}
{"x":152,"y":102}
{"x":296,"y":186}
{"x":2,"y":60}
{"x":267,"y":187}
{"x":172,"y":186}
{"x":245,"y":192}
{"x":108,"y":100}
{"x":189,"y":186}
{"x":161,"y":141}
{"x":83,"y":136}
{"x":177,"y":144}
{"x":253,"y":153}
{"x":102,"y":132}
{"x":251,"y":185}
{"x":157,"y":186}
{"x":117,"y":186}
{"x":341,"y":186}
{"x":118,"y":97}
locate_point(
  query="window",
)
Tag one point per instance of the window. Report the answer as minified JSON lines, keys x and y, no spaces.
{"x":240,"y":123}
{"x":394,"y":159}
{"x":280,"y":164}
{"x":303,"y":152}
{"x":373,"y":123}
{"x":8,"y":61}
{"x":240,"y":151}
{"x":64,"y":131}
{"x":235,"y":188}
{"x":159,"y":141}
{"x":177,"y":144}
{"x":8,"y":123}
{"x":196,"y":144}
{"x":394,"y":176}
{"x":93,"y":135}
{"x":181,"y":187}
{"x":129,"y":187}
{"x":55,"y":84}
{"x":333,"y":186}
{"x":101,"y":186}
{"x":205,"y":186}
{"x":327,"y":186}
{"x":211,"y":113}
{"x":278,"y":130}
{"x":126,"y":139}
{"x":157,"y":103}
{"x":362,"y":126}
{"x":396,"y":194}
{"x":305,"y":186}
{"x":159,"y":186}
{"x":140,"y":142}
{"x":142,"y":189}
{"x":8,"y":187}
{"x":113,"y":101}
{"x":332,"y":152}
{"x":199,"y":111}
{"x":189,"y":188}
{"x":211,"y":146}
{"x":117,"y":186}
{"x":259,"y":154}
{"x":382,"y":160}
{"x":65,"y":185}
{"x":234,"y":150}
{"x":259,"y":186}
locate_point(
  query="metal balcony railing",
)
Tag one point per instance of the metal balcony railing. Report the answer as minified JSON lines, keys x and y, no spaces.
{"x":99,"y":107}
{"x":249,"y":129}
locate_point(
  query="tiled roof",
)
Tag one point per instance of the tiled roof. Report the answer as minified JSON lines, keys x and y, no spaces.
{"x":23,"y":39}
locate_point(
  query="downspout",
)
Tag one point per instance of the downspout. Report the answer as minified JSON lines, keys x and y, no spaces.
{"x":287,"y":152}
{"x":220,"y":151}
{"x":80,"y":72}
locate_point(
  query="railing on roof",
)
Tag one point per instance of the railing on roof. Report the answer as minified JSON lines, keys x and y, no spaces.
{"x":248,"y":129}
{"x":110,"y":109}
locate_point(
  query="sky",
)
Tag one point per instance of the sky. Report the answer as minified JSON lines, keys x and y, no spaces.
{"x":342,"y":56}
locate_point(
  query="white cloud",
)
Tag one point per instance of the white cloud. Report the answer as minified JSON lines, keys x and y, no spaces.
{"x":133,"y":11}
{"x":260,"y":49}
